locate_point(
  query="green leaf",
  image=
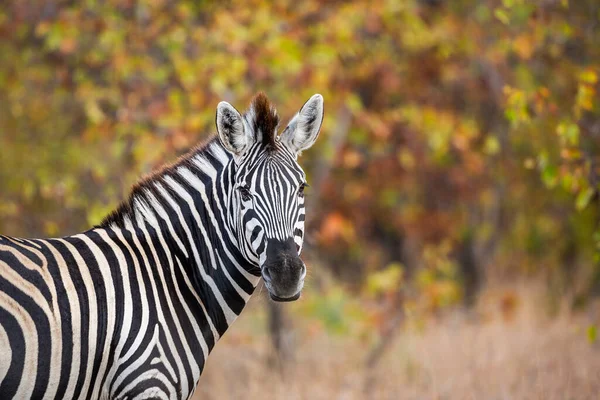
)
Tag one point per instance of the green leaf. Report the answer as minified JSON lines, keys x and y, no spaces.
{"x":502,"y":16}
{"x":550,"y":175}
{"x":592,"y":333}
{"x":569,"y":133}
{"x":584,"y":197}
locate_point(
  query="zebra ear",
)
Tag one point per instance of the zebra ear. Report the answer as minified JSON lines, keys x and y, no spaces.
{"x":303,"y":129}
{"x":230,"y":127}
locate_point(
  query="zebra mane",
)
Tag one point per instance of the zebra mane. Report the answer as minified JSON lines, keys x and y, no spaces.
{"x":147,"y":186}
{"x":263,"y":118}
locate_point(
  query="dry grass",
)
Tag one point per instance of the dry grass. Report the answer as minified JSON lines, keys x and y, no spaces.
{"x":500,"y":354}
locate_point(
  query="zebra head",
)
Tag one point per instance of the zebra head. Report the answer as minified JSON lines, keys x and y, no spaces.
{"x":268,"y":187}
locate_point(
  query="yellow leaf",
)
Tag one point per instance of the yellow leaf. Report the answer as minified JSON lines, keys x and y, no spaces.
{"x":523,"y":46}
{"x":386,"y":280}
{"x":491,"y":146}
{"x":589,"y":76}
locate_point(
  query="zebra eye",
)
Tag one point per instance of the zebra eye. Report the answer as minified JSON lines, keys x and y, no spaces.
{"x":245,"y":193}
{"x":301,"y":189}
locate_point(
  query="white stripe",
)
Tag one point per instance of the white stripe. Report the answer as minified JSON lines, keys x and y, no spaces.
{"x":175,"y":317}
{"x":176,"y":208}
{"x":230,"y":316}
{"x":127,"y":305}
{"x":111,"y":312}
{"x":219,"y":152}
{"x":158,"y":301}
{"x":36,"y":295}
{"x":6,"y":357}
{"x":155,"y":204}
{"x":137,"y":364}
{"x":27,"y":326}
{"x":199,"y":186}
{"x":92,"y":327}
{"x":74,"y":312}
{"x":208,"y":169}
{"x":145,"y":308}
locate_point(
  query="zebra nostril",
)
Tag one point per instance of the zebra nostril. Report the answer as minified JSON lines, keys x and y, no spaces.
{"x":266,"y":274}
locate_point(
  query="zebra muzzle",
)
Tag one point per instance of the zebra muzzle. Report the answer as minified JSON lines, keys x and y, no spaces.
{"x":283,"y":271}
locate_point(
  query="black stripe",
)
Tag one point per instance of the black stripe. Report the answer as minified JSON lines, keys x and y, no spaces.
{"x":76,"y":277}
{"x":101,"y":304}
{"x":65,"y":321}
{"x":42,"y":327}
{"x":10,"y":383}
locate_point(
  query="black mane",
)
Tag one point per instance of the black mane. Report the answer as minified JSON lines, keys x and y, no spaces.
{"x":266,"y":119}
{"x":263,"y":118}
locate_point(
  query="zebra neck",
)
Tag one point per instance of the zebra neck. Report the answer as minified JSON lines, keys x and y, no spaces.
{"x":184,"y":211}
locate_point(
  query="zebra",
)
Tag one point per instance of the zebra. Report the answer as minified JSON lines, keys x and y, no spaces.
{"x":131,"y":308}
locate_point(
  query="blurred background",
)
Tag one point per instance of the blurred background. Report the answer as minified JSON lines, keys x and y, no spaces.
{"x":453,"y":237}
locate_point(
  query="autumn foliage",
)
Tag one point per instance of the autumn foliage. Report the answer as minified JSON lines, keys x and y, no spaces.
{"x":460,"y":146}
